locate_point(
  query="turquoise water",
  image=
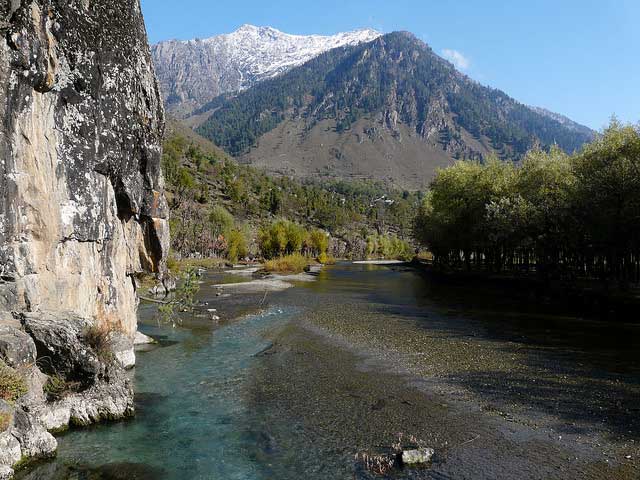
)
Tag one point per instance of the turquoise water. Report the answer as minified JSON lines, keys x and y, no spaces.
{"x":189,"y":408}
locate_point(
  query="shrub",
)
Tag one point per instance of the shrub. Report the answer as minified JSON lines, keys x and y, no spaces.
{"x":12,"y":384}
{"x":317,"y":242}
{"x":236,"y":245}
{"x":389,"y":247}
{"x":183,"y":298}
{"x":55,"y":388}
{"x":326,"y":259}
{"x":273,"y":240}
{"x":295,"y":263}
{"x":281,"y":238}
{"x":220,"y":221}
{"x":172,"y":263}
{"x":97,"y":337}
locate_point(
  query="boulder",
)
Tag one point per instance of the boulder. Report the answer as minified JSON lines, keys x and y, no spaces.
{"x":164,"y":287}
{"x":9,"y":449}
{"x":54,"y":416}
{"x":111,"y":400}
{"x":142,"y":339}
{"x":35,"y":380}
{"x":122,"y":346}
{"x":35,"y":441}
{"x":419,"y":456}
{"x":6,"y":473}
{"x":17,"y":349}
{"x":59,"y":340}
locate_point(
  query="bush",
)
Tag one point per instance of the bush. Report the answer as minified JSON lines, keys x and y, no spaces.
{"x":317,"y":242}
{"x":236,"y":245}
{"x":388,"y":247}
{"x":172,"y":263}
{"x":220,"y":221}
{"x":12,"y":384}
{"x":281,"y":238}
{"x":295,"y":263}
{"x":56,"y":387}
{"x":326,"y":259}
{"x":97,"y":337}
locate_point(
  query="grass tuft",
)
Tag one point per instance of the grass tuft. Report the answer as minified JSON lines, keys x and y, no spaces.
{"x":325,"y":259}
{"x":97,"y":337}
{"x":295,"y":263}
{"x":5,"y":421}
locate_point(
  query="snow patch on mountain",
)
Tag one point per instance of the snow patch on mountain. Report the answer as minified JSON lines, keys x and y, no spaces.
{"x":192,"y":72}
{"x":562,"y":120}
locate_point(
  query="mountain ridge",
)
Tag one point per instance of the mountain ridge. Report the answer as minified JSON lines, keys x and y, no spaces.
{"x":362,"y":105}
{"x":193,"y":72}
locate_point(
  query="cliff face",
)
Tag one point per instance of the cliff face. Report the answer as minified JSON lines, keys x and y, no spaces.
{"x":82,"y":207}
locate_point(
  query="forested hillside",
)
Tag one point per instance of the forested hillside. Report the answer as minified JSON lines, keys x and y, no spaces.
{"x":219,"y":208}
{"x":394,"y":89}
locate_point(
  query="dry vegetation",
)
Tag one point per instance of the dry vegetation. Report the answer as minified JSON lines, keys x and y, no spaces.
{"x":98,"y":338}
{"x":294,"y":263}
{"x":12,"y":383}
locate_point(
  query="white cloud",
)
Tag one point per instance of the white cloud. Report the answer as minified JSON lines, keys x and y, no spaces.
{"x":458,"y":59}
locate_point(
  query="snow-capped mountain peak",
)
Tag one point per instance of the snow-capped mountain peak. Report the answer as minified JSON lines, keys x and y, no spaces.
{"x":192,"y":72}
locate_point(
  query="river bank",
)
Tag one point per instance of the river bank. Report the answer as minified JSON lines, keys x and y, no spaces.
{"x":296,"y":382}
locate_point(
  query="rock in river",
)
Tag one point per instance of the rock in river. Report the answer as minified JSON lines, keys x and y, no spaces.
{"x":419,"y":456}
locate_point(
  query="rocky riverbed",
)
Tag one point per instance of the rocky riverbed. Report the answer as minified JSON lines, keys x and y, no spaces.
{"x":297,"y":382}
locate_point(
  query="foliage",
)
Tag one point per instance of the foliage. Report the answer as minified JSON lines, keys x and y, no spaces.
{"x":236,"y":245}
{"x":220,"y":221}
{"x":5,"y":421}
{"x":317,"y":242}
{"x":12,"y":383}
{"x":281,"y":238}
{"x":388,"y":247}
{"x":56,"y":387}
{"x":183,"y":299}
{"x":325,"y":259}
{"x":562,"y":215}
{"x":294,"y":263}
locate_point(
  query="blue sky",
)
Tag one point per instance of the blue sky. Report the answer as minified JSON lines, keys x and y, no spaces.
{"x":580,"y":58}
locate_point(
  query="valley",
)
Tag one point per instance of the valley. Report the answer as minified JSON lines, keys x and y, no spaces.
{"x":304,"y":240}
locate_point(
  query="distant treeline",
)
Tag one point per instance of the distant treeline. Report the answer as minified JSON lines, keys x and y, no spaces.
{"x":562,"y":216}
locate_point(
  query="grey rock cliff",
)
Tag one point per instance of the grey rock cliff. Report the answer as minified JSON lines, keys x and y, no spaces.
{"x":82,"y":209}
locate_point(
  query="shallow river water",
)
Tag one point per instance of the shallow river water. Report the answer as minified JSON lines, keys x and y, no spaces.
{"x":293,"y":384}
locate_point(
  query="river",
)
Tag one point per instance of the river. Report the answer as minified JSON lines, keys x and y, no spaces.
{"x":293,"y":384}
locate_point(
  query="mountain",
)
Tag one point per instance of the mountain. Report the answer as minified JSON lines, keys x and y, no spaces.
{"x":193,"y":72}
{"x":567,"y":122}
{"x":390,"y":109}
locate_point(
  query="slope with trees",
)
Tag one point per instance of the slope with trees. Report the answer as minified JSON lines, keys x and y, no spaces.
{"x":562,"y":216}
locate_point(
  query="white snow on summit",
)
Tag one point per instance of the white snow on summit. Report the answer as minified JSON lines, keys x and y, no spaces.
{"x":193,"y":72}
{"x":264,"y":52}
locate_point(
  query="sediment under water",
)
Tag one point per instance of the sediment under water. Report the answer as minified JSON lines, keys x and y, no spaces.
{"x":292,"y":384}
